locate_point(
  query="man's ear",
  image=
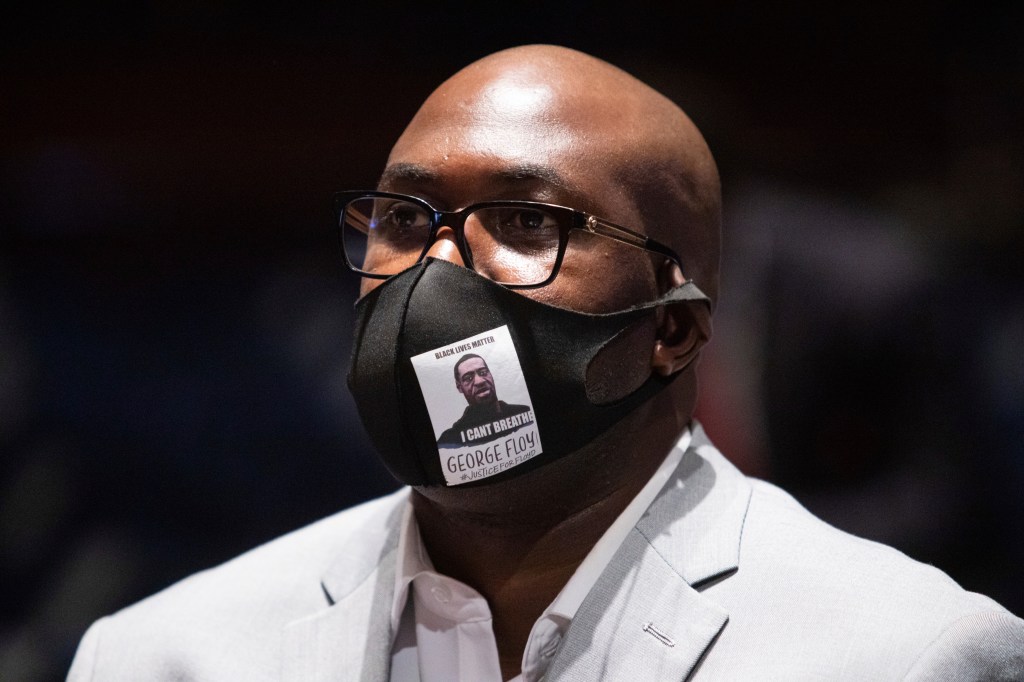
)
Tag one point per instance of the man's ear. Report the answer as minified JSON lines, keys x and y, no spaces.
{"x":683,"y":328}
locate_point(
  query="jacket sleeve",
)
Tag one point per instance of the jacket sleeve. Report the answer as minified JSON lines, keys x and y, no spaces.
{"x":986,"y":646}
{"x":85,"y":658}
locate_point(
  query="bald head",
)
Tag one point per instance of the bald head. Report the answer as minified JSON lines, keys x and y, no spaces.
{"x":603,"y":142}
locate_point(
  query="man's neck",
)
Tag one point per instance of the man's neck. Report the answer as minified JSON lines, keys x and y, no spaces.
{"x":519,"y":541}
{"x":519,"y":568}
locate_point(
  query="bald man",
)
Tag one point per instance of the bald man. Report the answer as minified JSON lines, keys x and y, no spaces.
{"x":570,"y":214}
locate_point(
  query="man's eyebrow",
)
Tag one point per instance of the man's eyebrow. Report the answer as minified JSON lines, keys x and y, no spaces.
{"x":532,"y":171}
{"x":411,"y":172}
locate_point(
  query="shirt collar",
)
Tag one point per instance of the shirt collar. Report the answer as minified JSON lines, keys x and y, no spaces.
{"x":412,"y":560}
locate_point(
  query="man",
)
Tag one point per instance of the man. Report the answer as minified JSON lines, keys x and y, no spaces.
{"x":474,"y":381}
{"x":626,"y":547}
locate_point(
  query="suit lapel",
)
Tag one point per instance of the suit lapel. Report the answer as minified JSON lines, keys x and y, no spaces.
{"x":645,"y":618}
{"x":644,"y":624}
{"x":350,"y":639}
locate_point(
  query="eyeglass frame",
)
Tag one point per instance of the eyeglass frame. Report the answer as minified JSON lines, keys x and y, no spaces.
{"x":456,"y":221}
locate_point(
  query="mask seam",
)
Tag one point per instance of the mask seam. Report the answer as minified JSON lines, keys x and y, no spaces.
{"x":407,"y":436}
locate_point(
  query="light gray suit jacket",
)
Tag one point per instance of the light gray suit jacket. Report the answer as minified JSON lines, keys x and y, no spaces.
{"x":724,"y":578}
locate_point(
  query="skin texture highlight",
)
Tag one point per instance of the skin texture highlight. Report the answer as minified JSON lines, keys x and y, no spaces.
{"x":549,"y":124}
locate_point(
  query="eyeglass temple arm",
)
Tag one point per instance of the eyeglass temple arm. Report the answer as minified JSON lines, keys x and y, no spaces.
{"x":596,"y":225}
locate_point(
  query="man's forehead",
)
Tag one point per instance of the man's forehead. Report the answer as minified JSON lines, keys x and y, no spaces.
{"x":472,"y":364}
{"x":493,"y":153}
{"x":515,"y":97}
{"x":509,"y":142}
{"x":521,"y":117}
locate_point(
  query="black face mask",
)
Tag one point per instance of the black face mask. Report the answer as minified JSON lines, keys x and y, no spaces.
{"x":421,"y":329}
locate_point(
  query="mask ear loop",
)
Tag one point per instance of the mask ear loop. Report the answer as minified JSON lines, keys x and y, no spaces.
{"x":684,"y":329}
{"x":604,"y":391}
{"x":685,"y":292}
{"x":614,"y":373}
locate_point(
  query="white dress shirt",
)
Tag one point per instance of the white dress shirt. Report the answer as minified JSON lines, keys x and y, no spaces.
{"x":444,"y":632}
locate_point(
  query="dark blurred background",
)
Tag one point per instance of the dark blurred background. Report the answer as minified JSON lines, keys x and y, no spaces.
{"x":175,"y":320}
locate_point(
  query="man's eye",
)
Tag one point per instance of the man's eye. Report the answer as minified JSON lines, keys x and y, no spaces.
{"x":407,"y":217}
{"x":533,"y":220}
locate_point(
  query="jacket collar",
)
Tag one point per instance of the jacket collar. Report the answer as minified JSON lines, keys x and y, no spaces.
{"x":696,"y":522}
{"x":646,"y":617}
{"x":350,"y":639}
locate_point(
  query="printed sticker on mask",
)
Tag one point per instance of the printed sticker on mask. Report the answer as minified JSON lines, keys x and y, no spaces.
{"x":479,"y":406}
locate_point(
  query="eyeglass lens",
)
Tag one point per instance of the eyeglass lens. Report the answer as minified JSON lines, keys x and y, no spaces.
{"x":510,"y":244}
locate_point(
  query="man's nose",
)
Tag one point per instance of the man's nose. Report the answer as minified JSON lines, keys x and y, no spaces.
{"x":445,"y":248}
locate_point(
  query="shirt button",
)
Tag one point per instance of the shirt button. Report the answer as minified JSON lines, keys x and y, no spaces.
{"x":441,"y":593}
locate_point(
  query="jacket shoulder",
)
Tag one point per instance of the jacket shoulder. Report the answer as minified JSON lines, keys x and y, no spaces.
{"x":241,"y":606}
{"x":980,"y":646}
{"x":848,"y":607}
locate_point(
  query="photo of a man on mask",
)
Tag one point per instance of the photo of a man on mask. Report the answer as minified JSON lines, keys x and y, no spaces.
{"x":473,"y":379}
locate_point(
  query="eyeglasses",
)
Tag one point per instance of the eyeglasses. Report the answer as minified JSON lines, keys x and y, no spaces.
{"x":519,"y":244}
